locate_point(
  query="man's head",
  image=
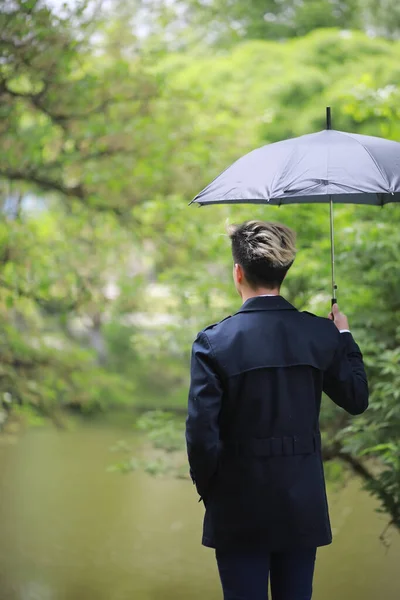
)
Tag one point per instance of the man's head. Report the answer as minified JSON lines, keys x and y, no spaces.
{"x":262,"y":253}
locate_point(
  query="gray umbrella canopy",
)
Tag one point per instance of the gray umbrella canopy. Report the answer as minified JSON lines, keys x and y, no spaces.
{"x":328,"y":166}
{"x":350,"y":168}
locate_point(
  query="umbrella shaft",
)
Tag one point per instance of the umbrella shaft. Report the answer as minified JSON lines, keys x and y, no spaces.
{"x":334,"y":286}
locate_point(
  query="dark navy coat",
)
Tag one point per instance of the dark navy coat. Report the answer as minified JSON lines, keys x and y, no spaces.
{"x":252,"y":429}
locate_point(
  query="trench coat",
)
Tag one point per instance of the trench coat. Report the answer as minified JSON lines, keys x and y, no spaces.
{"x":252,"y":431}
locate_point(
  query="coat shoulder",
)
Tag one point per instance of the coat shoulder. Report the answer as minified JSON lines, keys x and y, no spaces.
{"x":310,"y":314}
{"x":316,"y":317}
{"x":214,"y":326}
{"x":322,"y":323}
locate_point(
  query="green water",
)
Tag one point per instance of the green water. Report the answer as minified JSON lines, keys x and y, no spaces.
{"x":70,"y":530}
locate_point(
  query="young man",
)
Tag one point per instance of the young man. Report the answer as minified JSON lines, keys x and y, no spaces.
{"x":252,"y":430}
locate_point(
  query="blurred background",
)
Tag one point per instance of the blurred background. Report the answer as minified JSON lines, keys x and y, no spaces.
{"x":113,"y":115}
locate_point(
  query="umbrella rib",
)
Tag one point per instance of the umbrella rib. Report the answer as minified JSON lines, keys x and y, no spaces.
{"x":383,"y":175}
{"x":278,"y":178}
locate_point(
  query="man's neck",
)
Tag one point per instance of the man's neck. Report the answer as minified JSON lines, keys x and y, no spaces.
{"x":249,"y":293}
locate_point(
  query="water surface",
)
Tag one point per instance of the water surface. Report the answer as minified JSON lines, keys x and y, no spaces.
{"x":70,"y":530}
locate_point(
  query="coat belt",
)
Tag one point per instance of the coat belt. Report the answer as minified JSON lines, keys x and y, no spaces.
{"x":274,"y":446}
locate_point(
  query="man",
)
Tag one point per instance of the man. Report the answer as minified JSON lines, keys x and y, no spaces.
{"x":252,"y":430}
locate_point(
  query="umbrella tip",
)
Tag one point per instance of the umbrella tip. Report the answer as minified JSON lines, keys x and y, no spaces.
{"x":328,"y":118}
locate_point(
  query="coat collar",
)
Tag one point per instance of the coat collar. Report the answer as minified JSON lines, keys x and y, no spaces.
{"x":266,"y":303}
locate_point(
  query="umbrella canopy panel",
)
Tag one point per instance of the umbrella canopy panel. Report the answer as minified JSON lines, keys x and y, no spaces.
{"x":319,"y":167}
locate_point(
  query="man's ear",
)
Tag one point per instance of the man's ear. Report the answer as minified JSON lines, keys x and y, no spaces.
{"x":239,"y":273}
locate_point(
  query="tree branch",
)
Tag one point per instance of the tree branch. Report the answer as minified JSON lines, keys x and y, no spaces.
{"x":47,"y":304}
{"x":61,"y":118}
{"x":77,"y":191}
{"x":23,"y":363}
{"x":374,"y":485}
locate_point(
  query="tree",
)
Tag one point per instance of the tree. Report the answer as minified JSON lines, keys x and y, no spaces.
{"x":66,"y":113}
{"x":220,"y":23}
{"x":263,"y":19}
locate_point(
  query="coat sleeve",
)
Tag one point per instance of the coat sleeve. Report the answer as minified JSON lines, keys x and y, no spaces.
{"x":345,"y":380}
{"x":202,"y":427}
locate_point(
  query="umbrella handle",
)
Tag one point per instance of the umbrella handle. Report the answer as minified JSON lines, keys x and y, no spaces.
{"x":334,"y":301}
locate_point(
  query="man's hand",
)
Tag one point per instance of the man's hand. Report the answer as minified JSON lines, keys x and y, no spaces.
{"x":338,"y":318}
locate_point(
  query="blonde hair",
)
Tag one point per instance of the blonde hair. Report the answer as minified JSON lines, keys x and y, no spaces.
{"x":272,"y":242}
{"x":264,"y":250}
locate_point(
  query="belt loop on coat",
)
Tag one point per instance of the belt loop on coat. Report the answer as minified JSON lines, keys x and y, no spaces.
{"x":288,"y":446}
{"x":317,"y":442}
{"x":277,"y":446}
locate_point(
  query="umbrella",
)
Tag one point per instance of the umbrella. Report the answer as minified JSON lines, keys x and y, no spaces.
{"x":329,"y":166}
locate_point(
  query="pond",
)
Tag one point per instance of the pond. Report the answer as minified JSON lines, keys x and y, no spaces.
{"x":71,"y":530}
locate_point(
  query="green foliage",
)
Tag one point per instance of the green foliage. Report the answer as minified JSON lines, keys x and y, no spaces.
{"x":71,"y":115}
{"x":29,"y":416}
{"x":223,"y":23}
{"x":163,"y":447}
{"x":163,"y":430}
